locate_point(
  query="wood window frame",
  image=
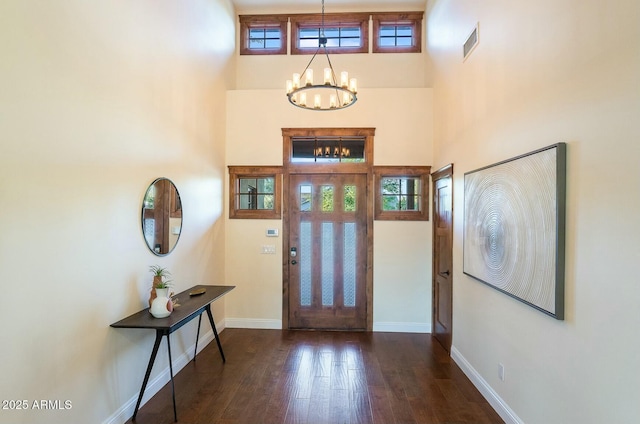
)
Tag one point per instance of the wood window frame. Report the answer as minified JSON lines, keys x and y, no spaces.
{"x":238,"y":172}
{"x":413,"y":19}
{"x":342,"y":20}
{"x":421,"y":172}
{"x":247,"y":22}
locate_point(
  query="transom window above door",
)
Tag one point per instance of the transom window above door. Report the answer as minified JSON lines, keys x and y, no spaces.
{"x":331,"y":149}
{"x":328,"y":149}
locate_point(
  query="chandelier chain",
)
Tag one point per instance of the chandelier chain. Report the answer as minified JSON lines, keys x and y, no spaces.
{"x":322,"y":26}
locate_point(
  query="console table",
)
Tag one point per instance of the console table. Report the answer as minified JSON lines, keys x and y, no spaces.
{"x":190,"y":307}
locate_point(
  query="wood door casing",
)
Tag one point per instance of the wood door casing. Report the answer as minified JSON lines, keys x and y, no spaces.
{"x":327,"y":276}
{"x":442,"y":298}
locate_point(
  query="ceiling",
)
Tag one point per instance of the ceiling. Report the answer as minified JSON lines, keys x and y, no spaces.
{"x":330,"y":5}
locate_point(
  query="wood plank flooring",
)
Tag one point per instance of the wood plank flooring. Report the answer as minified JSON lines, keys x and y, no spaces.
{"x":282,"y":377}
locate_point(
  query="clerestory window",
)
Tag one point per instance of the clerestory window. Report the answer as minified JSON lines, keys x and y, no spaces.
{"x":263,"y":34}
{"x":345,"y":33}
{"x":397,"y":32}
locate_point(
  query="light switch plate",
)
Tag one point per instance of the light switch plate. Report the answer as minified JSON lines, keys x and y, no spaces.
{"x":269,"y":249}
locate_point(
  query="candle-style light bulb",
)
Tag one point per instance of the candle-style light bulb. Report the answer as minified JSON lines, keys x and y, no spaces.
{"x":303,"y":99}
{"x":327,"y":76}
{"x":309,"y":77}
{"x":353,"y":85}
{"x":344,"y":79}
{"x":296,"y":81}
{"x":289,"y":86}
{"x":317,"y":101}
{"x":332,"y":101}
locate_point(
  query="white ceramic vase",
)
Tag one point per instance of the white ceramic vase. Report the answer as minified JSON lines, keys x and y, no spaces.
{"x":159,"y":306}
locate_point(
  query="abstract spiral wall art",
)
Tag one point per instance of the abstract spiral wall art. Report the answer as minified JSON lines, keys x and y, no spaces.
{"x":514,"y":226}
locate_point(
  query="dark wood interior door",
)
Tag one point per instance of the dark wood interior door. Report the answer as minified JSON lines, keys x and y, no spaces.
{"x":327,"y":251}
{"x":442,"y":256}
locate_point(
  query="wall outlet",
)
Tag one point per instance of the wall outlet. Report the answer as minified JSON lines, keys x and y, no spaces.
{"x":501,"y":372}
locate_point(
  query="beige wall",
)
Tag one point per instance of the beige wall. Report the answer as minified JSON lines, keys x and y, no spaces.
{"x":546,"y":72}
{"x":402,"y":250}
{"x":98,"y":99}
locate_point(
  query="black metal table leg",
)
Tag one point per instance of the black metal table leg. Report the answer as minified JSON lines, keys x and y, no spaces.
{"x":154,"y":352}
{"x":197,"y":337}
{"x":173,"y":389}
{"x":215,"y":332}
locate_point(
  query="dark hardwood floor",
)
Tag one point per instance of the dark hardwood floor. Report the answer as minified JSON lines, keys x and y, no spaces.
{"x":276,"y":377}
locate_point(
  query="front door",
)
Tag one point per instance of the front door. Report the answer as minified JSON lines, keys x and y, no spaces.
{"x":442,"y":256}
{"x":327,"y":251}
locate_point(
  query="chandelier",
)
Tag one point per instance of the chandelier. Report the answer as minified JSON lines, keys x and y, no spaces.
{"x":326,"y":96}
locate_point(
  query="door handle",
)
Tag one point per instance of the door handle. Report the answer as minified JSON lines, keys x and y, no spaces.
{"x":293,"y":262}
{"x":447,"y":273}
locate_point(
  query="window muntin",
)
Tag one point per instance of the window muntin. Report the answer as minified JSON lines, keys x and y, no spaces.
{"x":255,"y":192}
{"x":397,"y":32}
{"x":402,"y":193}
{"x":263,"y":34}
{"x":345,"y":33}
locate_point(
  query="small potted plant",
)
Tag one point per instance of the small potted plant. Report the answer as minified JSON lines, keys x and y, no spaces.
{"x":159,"y":280}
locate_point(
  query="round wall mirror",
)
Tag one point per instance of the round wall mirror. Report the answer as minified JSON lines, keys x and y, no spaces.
{"x":161,"y":216}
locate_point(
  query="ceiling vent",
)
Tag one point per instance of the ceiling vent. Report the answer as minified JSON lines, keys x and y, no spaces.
{"x":471,"y":43}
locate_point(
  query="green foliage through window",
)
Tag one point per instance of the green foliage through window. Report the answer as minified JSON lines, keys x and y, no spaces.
{"x":400,"y":194}
{"x":349,"y":198}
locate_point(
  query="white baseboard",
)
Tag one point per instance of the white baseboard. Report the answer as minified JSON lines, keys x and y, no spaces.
{"x":264,"y":324}
{"x":153,"y":386}
{"x":505,"y":412}
{"x":401,"y":327}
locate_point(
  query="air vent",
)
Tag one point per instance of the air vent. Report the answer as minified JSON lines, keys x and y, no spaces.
{"x":471,"y":43}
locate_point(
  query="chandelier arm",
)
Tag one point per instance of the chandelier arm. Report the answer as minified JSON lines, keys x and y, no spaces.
{"x":333,"y":74}
{"x":311,"y":61}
